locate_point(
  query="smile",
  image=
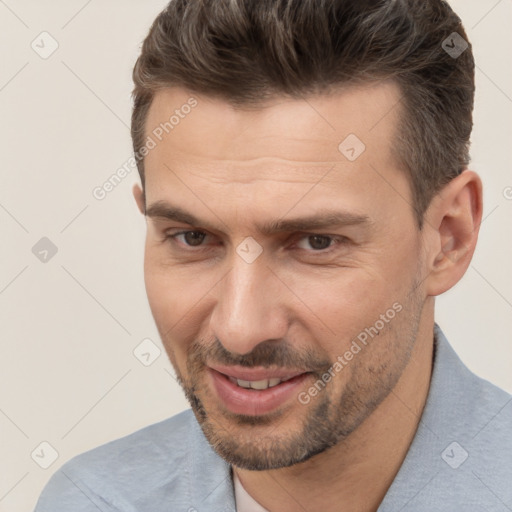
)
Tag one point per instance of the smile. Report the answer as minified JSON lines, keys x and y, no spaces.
{"x":255,"y":392}
{"x":258,"y":384}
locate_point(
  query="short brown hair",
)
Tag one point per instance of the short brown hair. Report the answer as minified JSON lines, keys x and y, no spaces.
{"x":248,"y":51}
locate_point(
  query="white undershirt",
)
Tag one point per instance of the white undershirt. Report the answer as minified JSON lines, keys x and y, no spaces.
{"x":244,"y":501}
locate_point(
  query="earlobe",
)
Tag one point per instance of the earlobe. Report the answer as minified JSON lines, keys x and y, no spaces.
{"x":454,"y":218}
{"x":138,"y":194}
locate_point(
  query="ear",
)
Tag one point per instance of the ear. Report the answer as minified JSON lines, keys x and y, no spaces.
{"x":138,"y":194}
{"x":453,"y":221}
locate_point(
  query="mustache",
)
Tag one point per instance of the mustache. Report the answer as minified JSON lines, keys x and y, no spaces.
{"x":266,"y":354}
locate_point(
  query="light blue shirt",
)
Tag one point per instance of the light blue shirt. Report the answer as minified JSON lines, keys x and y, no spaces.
{"x":460,"y":459}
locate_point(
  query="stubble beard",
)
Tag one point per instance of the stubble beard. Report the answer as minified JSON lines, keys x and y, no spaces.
{"x":325,"y":422}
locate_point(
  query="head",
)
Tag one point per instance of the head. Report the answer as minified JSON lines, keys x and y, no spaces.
{"x":304,"y":176}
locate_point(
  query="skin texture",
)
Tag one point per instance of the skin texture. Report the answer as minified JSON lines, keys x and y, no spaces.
{"x":303,"y":300}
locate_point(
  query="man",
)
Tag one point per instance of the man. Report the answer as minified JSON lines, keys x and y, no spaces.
{"x":304,"y":171}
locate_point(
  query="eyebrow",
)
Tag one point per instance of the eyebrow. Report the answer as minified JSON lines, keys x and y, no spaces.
{"x":325,"y":218}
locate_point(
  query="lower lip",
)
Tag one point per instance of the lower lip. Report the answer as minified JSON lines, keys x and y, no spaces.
{"x":252,"y":402}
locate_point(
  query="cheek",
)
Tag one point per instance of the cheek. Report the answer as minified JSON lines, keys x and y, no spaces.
{"x":357,"y":302}
{"x":158,"y":287}
{"x":166,"y":300}
{"x":347,"y":298}
{"x":168,"y":313}
{"x":177,"y":298}
{"x":169,"y":288}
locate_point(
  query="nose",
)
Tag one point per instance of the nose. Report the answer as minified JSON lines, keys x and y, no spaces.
{"x":249,"y":306}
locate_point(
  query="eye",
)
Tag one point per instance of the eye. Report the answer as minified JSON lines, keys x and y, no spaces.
{"x":191,"y":238}
{"x":319,"y":242}
{"x":314,"y":242}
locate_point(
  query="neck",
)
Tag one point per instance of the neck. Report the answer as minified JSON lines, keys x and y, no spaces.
{"x":358,"y":471}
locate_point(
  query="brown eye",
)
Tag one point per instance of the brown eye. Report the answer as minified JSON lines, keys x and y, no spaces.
{"x":317,"y":242}
{"x":194,"y":237}
{"x":190,"y":238}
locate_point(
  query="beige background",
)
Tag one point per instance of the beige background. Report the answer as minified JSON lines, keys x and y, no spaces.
{"x":69,"y":326}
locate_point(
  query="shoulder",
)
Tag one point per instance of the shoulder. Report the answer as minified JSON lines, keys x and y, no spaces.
{"x":117,"y":474}
{"x":460,"y":456}
{"x":135,"y":453}
{"x":488,"y":422}
{"x":127,"y":453}
{"x":470,"y":404}
{"x":466,"y":406}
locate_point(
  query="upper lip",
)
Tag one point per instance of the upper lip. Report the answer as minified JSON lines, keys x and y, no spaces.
{"x":255,"y":374}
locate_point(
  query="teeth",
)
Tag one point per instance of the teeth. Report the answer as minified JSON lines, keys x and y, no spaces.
{"x":257,"y":384}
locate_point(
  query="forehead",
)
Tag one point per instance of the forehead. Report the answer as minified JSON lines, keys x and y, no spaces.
{"x":258,"y":160}
{"x":308,"y":129}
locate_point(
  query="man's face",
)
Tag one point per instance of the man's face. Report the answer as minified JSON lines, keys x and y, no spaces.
{"x":232,"y":300}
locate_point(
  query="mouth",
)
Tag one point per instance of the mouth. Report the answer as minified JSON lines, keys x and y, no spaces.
{"x":255,"y":391}
{"x":258,"y":384}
